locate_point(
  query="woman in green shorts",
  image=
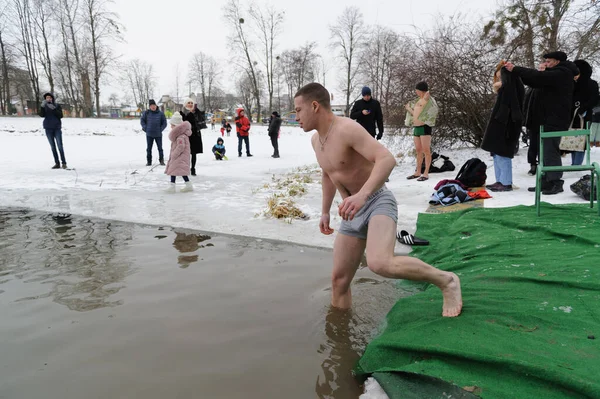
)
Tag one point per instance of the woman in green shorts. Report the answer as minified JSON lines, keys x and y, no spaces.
{"x":422,"y":114}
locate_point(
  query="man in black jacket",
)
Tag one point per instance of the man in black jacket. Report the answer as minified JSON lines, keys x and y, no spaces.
{"x":52,"y":114}
{"x":274,"y":126}
{"x":368,"y":111}
{"x":556,"y":85}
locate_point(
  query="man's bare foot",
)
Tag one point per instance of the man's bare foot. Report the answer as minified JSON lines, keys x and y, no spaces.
{"x":452,"y":297}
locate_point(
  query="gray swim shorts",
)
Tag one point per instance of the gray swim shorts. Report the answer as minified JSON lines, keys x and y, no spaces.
{"x":381,"y":202}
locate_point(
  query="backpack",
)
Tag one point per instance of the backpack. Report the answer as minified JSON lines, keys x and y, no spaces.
{"x":472,"y":173}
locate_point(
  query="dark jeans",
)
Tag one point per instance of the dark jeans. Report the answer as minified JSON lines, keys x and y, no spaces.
{"x":246,"y":140}
{"x":149,"y":142}
{"x":275,"y":145}
{"x":552,"y":156}
{"x":185,"y":179}
{"x":534,"y":146}
{"x":56,"y":135}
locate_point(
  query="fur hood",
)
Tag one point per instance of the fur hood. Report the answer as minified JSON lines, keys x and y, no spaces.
{"x":184,"y":129}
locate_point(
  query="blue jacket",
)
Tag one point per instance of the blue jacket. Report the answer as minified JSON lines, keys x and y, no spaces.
{"x":153,"y":123}
{"x":52,"y":117}
{"x":219,"y":148}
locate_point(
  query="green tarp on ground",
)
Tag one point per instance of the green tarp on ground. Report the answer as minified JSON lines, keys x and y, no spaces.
{"x":530,"y":326}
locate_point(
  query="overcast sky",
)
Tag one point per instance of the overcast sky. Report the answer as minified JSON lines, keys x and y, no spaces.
{"x":167,"y":33}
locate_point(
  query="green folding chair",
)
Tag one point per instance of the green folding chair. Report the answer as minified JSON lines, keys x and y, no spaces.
{"x":593,"y":167}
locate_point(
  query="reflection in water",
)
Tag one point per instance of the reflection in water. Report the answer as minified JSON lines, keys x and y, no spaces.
{"x":189,"y":243}
{"x":78,"y":258}
{"x":340,"y":353}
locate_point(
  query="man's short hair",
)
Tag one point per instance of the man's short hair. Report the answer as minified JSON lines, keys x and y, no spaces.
{"x":315,"y":92}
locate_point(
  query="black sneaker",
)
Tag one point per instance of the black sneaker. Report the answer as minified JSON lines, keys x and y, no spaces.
{"x":162,"y":162}
{"x":501,"y":187}
{"x":240,"y":154}
{"x":64,"y":165}
{"x":56,"y":166}
{"x":533,"y":170}
{"x":249,"y":155}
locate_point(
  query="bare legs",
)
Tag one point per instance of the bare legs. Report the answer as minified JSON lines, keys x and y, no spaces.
{"x":379,"y":245}
{"x":423,"y":149}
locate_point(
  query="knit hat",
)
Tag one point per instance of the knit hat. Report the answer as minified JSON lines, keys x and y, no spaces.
{"x":366,"y":91}
{"x":151,"y":102}
{"x":557,"y":55}
{"x":188,"y":100}
{"x":176,"y":119}
{"x":274,"y":113}
{"x":422,"y":86}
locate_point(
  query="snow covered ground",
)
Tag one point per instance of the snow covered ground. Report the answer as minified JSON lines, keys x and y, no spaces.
{"x":108,"y":179}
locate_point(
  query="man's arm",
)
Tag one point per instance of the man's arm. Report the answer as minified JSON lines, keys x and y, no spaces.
{"x":536,"y":79}
{"x":163,"y":122}
{"x":384,"y":161}
{"x":329,"y":190}
{"x":58,"y":111}
{"x":356,"y":111}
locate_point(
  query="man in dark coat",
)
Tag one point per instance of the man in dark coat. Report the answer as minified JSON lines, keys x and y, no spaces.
{"x":532,"y":113}
{"x":556,"y":83}
{"x":52,"y":114}
{"x":367,"y":112}
{"x":274,"y":126}
{"x":153,"y":123}
{"x":585,"y":98}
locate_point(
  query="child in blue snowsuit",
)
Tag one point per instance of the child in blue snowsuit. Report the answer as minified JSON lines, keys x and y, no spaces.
{"x":219,"y":149}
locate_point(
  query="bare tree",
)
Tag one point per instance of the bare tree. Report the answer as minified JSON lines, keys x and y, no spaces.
{"x":299,"y":68}
{"x":5,"y":96}
{"x":113,"y":99}
{"x":43,"y":21}
{"x":27,"y":47}
{"x":204,"y":71}
{"x":348,"y":35}
{"x":246,"y":92}
{"x":139,"y":79}
{"x":269,"y":25}
{"x":102,"y":26}
{"x":242,"y":43}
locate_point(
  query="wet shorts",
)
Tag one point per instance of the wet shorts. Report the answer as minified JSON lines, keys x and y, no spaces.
{"x":381,"y":202}
{"x":424,"y":130}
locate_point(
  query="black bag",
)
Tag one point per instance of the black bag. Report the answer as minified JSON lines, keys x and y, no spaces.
{"x":201,"y":120}
{"x":473,"y":173}
{"x":447,"y":166}
{"x":582,"y":188}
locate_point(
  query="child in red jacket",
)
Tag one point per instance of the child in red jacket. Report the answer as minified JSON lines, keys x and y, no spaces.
{"x":242,"y":124}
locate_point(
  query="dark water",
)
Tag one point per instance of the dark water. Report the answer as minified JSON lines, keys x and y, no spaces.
{"x":100,"y":309}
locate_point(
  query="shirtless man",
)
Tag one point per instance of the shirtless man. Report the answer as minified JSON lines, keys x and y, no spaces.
{"x":421,"y":132}
{"x":356,"y":165}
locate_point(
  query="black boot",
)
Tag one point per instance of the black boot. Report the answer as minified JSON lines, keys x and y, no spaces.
{"x":162,"y":162}
{"x":56,"y":166}
{"x":149,"y":162}
{"x":557,"y":187}
{"x":64,"y":165}
{"x":533,"y":170}
{"x":545,"y":186}
{"x":193,"y":171}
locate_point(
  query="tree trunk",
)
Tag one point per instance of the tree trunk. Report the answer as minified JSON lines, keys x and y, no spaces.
{"x":5,"y":81}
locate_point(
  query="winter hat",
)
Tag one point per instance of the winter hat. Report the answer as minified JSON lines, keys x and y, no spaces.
{"x":366,"y":91}
{"x":151,"y":102}
{"x":189,"y":100}
{"x":274,"y":113}
{"x":176,"y":119}
{"x":422,"y":86}
{"x":557,"y":55}
{"x":220,"y":140}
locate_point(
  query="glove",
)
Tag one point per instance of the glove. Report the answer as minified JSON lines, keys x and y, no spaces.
{"x":43,"y":103}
